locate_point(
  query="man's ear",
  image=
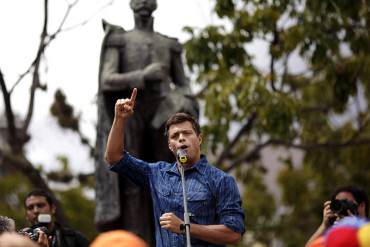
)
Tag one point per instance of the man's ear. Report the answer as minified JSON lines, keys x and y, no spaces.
{"x":200,"y":137}
{"x":170,"y":147}
{"x":53,"y":209}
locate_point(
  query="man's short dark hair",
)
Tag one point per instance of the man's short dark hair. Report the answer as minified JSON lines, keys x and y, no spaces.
{"x":41,"y":192}
{"x":358,"y":193}
{"x":181,"y":117}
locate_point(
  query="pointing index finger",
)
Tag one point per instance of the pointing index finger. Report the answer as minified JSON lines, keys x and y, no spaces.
{"x":133,"y":95}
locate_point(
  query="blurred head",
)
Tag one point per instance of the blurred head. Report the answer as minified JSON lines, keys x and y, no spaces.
{"x":144,"y":8}
{"x":6,"y":224}
{"x":183,"y":132}
{"x":15,"y":240}
{"x":356,"y":195}
{"x":118,"y":238}
{"x":38,"y":202}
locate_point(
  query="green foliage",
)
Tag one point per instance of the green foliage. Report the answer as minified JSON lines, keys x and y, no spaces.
{"x":259,"y":205}
{"x":64,"y":112}
{"x":79,"y":210}
{"x":12,"y":194}
{"x":322,"y":110}
{"x":74,"y":200}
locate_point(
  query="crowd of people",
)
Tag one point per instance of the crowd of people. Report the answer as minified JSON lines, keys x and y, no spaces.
{"x":345,"y":224}
{"x":44,"y":231}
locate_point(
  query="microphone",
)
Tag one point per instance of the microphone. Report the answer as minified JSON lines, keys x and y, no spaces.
{"x":182,"y":156}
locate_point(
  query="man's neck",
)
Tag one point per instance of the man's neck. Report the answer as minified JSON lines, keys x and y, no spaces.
{"x":144,"y":23}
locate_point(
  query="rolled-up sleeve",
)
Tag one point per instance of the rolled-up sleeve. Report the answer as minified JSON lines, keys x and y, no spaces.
{"x":228,"y":205}
{"x":135,"y":169}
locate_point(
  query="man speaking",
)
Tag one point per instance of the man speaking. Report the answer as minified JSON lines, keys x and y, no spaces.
{"x":214,"y":204}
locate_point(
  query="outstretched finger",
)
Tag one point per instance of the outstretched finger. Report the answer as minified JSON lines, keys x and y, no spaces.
{"x":133,"y":96}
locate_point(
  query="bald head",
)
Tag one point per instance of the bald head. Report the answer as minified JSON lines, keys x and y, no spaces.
{"x":118,"y":238}
{"x":15,"y":240}
{"x":6,"y":224}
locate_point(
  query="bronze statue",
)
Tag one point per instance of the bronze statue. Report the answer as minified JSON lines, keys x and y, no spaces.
{"x":152,"y":63}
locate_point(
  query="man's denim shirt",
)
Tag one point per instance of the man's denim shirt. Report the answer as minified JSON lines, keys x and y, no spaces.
{"x":213,"y":196}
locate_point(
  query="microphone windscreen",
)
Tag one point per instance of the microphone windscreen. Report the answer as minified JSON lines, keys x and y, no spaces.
{"x":182,"y":156}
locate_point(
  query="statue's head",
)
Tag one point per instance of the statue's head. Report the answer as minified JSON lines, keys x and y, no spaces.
{"x":143,"y":7}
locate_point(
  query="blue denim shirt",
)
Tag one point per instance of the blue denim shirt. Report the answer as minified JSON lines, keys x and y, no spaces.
{"x":213,"y":196}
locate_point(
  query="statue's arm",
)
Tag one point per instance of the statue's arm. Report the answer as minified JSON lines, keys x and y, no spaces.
{"x":177,"y":68}
{"x":112,"y":80}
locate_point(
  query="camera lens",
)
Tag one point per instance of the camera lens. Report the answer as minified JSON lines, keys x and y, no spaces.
{"x":336,"y":206}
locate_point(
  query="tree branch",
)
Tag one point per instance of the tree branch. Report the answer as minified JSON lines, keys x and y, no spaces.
{"x":9,"y":112}
{"x":309,"y":147}
{"x":88,"y":19}
{"x":66,"y":14}
{"x":274,"y":42}
{"x":253,"y":154}
{"x":36,"y":73}
{"x":246,"y":128}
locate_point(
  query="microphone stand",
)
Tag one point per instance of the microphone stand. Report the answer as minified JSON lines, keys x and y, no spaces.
{"x":185,"y":197}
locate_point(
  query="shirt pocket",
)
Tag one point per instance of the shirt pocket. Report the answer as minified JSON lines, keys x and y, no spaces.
{"x":167,"y":201}
{"x":200,"y":204}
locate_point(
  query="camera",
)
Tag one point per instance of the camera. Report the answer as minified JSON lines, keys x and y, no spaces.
{"x":33,"y":232}
{"x":341,"y":207}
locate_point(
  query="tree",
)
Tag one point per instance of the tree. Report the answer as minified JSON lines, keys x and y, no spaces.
{"x":280,"y":105}
{"x":19,"y":174}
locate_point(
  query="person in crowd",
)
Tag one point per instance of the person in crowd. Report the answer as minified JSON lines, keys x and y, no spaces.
{"x":214,"y":202}
{"x":352,"y":199}
{"x":40,"y":211}
{"x":6,"y":224}
{"x":12,"y":239}
{"x":118,"y":238}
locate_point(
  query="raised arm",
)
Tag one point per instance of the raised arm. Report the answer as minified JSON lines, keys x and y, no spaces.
{"x":123,"y":109}
{"x":327,"y":214}
{"x":112,"y":79}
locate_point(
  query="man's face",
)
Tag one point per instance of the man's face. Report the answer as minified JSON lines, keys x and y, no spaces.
{"x":348,"y":196}
{"x":143,"y":7}
{"x":36,"y":205}
{"x":182,"y":135}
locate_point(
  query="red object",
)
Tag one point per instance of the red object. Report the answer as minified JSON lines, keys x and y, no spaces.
{"x":342,"y":237}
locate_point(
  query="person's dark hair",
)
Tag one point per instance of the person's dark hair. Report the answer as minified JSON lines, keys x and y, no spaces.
{"x":40,"y":192}
{"x":358,"y":193}
{"x":6,"y":224}
{"x":181,"y":117}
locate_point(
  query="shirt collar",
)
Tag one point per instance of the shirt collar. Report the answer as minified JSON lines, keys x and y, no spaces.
{"x":199,"y":166}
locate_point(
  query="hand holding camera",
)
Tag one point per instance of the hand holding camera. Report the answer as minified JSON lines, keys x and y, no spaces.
{"x":339,"y":209}
{"x":39,"y":232}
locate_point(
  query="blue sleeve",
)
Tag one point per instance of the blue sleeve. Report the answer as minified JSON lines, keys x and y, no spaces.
{"x":228,"y":206}
{"x":135,"y":169}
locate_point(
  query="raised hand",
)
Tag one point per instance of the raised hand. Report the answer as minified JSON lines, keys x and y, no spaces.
{"x":43,"y":240}
{"x":328,"y":215}
{"x":124,"y":108}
